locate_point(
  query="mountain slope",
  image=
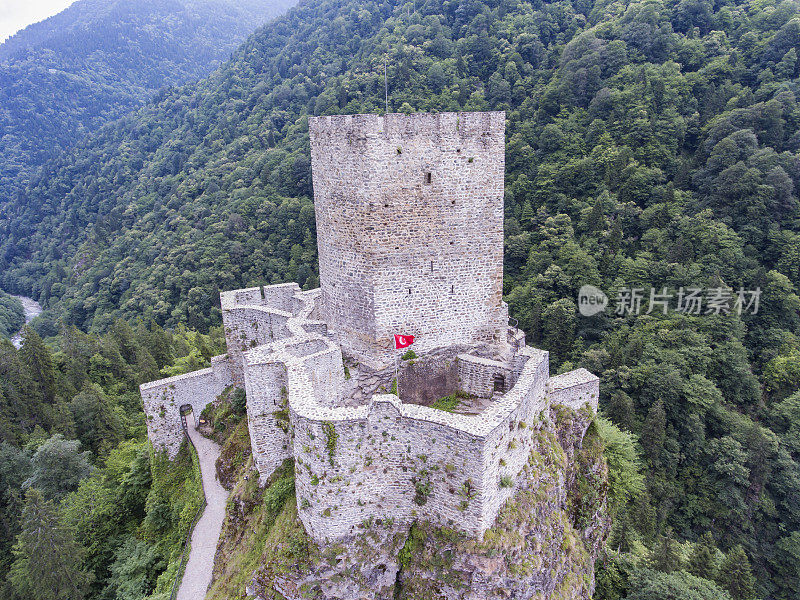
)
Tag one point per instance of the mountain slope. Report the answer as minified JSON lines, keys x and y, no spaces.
{"x":650,"y":144}
{"x":62,"y":78}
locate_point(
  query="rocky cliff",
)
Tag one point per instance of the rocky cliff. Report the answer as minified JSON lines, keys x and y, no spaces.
{"x":543,"y":544}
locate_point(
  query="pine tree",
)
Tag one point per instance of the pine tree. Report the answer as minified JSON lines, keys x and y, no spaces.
{"x":596,"y":219}
{"x":158,"y":344}
{"x":623,"y":534}
{"x":645,"y":516}
{"x":47,"y":559}
{"x":665,"y":555}
{"x":527,"y":214}
{"x":654,"y":432}
{"x":615,"y":238}
{"x":36,"y":355}
{"x":558,"y":329}
{"x":736,"y":576}
{"x":703,"y":561}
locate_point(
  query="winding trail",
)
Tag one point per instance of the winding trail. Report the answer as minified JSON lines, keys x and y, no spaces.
{"x":197,"y":576}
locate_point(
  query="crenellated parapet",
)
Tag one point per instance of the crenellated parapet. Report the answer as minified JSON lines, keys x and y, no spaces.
{"x":440,"y":128}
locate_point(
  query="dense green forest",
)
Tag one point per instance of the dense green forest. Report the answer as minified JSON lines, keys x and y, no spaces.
{"x":86,"y":509}
{"x":12,"y":315}
{"x":64,"y":77}
{"x":650,"y":144}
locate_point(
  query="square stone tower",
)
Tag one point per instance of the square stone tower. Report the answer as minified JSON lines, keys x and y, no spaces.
{"x":409,"y":215}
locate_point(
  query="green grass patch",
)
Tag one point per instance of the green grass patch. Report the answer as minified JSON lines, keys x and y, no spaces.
{"x":451,"y":402}
{"x":244,"y":547}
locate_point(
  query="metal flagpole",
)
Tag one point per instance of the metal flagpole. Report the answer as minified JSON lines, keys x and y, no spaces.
{"x":386,"y":86}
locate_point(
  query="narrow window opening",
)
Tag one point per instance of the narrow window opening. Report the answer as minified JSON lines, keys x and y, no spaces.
{"x":431,"y":266}
{"x":452,"y":289}
{"x":428,"y":177}
{"x":409,"y":291}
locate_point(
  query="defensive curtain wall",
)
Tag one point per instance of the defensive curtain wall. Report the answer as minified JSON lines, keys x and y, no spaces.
{"x":385,"y":458}
{"x":410,"y":235}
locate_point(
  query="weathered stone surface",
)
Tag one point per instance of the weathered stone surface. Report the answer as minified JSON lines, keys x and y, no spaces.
{"x":361,"y":454}
{"x":410,"y":228}
{"x":542,"y":544}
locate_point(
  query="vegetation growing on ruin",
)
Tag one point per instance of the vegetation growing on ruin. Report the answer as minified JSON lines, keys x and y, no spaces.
{"x":224,"y":414}
{"x":452,"y":402}
{"x":331,"y":439}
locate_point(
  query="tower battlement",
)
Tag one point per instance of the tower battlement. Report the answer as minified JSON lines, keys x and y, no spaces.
{"x":442,"y":127}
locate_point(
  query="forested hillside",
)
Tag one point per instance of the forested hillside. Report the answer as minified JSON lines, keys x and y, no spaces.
{"x":12,"y":315}
{"x":86,"y":509}
{"x":64,"y":77}
{"x":649,"y":144}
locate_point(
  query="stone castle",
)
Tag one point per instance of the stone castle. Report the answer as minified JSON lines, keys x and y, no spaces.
{"x":409,"y":212}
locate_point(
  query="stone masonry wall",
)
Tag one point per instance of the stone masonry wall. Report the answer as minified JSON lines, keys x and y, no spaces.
{"x":410,"y":228}
{"x":477,"y":375}
{"x":426,"y":379}
{"x":508,"y":447}
{"x":401,"y":461}
{"x":378,"y":464}
{"x":387,"y":459}
{"x":251,"y":317}
{"x":268,"y":416}
{"x":163,"y":400}
{"x":383,"y":460}
{"x":575,"y":389}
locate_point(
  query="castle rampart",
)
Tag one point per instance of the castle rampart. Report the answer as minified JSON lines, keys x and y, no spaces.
{"x":575,"y":389}
{"x":360,"y":452}
{"x":163,"y":400}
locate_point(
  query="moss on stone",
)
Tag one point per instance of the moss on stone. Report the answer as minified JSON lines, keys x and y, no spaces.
{"x":331,"y":438}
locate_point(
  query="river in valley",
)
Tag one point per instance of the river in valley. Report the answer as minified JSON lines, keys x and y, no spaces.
{"x":32,"y":309}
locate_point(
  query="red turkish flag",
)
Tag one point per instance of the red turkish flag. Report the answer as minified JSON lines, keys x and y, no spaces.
{"x":403,"y":341}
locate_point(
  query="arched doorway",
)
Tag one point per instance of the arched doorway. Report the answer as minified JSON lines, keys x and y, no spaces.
{"x":499,"y":381}
{"x":186,"y":410}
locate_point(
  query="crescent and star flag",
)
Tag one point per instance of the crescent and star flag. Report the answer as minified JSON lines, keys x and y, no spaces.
{"x":403,"y":341}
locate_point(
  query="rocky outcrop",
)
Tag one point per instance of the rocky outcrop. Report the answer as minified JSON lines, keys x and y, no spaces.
{"x":542,"y":545}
